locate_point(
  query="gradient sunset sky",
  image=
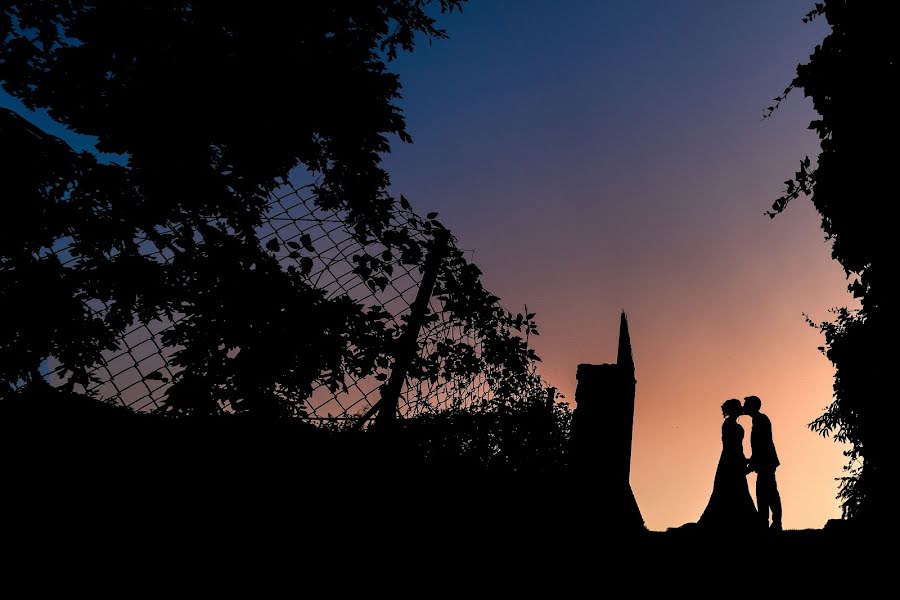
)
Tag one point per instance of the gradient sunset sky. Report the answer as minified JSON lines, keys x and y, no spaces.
{"x":596,"y":156}
{"x":604,"y":155}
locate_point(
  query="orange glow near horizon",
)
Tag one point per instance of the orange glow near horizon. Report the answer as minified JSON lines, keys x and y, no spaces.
{"x":697,"y":344}
{"x":599,"y":156}
{"x":716,"y":295}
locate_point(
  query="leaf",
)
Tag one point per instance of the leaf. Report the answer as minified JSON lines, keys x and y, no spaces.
{"x":307,"y":242}
{"x":404,"y":202}
{"x":273,"y":245}
{"x":293,"y":245}
{"x":431,"y":215}
{"x":155,"y":376}
{"x":294,"y":255}
{"x":306,"y":265}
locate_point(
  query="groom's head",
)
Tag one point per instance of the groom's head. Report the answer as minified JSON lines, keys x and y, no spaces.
{"x":752,"y":405}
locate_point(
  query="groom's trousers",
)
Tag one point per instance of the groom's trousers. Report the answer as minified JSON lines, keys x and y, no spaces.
{"x":767,"y":497}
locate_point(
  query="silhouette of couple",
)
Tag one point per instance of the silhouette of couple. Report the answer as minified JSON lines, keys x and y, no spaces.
{"x":730,"y":505}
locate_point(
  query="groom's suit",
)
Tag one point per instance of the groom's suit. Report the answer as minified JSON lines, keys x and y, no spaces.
{"x":764,"y":460}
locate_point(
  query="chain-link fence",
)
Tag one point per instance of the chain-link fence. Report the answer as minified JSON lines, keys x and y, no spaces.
{"x":326,"y":247}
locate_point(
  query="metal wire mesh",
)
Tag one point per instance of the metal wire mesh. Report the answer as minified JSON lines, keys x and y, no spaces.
{"x":138,"y":372}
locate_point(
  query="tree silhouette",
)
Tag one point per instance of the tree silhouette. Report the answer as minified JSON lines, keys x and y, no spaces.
{"x":213,"y":103}
{"x":213,"y":106}
{"x":847,"y":78}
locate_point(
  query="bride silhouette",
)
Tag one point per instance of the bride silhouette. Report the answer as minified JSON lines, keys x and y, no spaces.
{"x":730,"y":505}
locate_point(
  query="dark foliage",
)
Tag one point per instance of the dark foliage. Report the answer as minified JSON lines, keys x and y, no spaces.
{"x":49,"y":192}
{"x":213,"y":103}
{"x":528,"y":439}
{"x":249,"y":330}
{"x":849,"y":77}
{"x":212,"y":106}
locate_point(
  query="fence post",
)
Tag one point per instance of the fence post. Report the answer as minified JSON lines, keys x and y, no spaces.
{"x":551,"y":397}
{"x":407,"y":345}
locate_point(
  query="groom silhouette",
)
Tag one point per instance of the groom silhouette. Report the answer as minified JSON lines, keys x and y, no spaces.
{"x":764,"y":461}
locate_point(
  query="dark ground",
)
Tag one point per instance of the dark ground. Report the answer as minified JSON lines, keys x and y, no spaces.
{"x":99,"y":483}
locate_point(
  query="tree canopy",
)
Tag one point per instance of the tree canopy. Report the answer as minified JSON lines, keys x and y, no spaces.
{"x":213,"y":103}
{"x":214,"y":106}
{"x":850,"y":78}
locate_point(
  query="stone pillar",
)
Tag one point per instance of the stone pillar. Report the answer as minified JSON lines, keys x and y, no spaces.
{"x":601,"y":437}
